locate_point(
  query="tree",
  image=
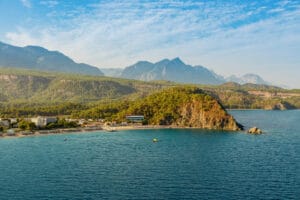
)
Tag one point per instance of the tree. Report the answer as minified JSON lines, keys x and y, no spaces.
{"x":22,"y":125}
{"x":31,"y":126}
{"x":26,"y":125}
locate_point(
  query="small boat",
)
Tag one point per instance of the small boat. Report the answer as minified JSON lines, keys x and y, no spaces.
{"x":155,"y":140}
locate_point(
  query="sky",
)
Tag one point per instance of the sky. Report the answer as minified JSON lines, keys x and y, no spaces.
{"x":226,"y":36}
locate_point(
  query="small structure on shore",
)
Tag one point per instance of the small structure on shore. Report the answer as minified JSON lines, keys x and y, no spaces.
{"x":135,"y":118}
{"x":255,"y":130}
{"x":5,"y":122}
{"x":10,"y":132}
{"x":43,"y":121}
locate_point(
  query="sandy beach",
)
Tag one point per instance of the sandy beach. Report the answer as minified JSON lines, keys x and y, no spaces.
{"x":50,"y":132}
{"x":81,"y":130}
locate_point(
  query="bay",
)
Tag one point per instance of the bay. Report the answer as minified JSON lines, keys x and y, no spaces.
{"x":184,"y":164}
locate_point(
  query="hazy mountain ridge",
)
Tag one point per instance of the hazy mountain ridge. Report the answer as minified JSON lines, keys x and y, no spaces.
{"x":177,"y":71}
{"x":248,"y":78}
{"x":112,"y":72}
{"x":171,"y":70}
{"x":39,"y":58}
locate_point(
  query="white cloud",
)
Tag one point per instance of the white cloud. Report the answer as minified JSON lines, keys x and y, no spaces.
{"x":26,"y":3}
{"x":50,"y":3}
{"x":223,"y":36}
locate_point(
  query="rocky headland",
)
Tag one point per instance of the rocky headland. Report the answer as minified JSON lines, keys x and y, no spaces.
{"x":184,"y":107}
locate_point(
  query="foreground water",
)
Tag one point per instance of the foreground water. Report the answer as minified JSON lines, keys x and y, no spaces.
{"x":184,"y":164}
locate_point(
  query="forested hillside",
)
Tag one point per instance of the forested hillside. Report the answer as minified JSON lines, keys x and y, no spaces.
{"x":33,"y":86}
{"x":28,"y":93}
{"x":252,"y":96}
{"x":182,"y":107}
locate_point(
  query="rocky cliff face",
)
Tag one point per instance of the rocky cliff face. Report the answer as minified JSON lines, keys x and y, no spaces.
{"x":193,"y":114}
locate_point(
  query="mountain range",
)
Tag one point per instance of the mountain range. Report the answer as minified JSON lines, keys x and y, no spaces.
{"x":39,"y":58}
{"x":171,"y":70}
{"x":177,"y":71}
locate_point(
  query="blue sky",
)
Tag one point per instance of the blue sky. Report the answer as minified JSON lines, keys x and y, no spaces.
{"x":229,"y":36}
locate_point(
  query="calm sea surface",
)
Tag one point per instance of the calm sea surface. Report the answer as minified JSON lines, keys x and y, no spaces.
{"x":184,"y":164}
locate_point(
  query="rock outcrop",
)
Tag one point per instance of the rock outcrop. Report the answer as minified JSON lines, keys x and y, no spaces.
{"x":280,"y":106}
{"x":255,"y":130}
{"x":212,"y":116}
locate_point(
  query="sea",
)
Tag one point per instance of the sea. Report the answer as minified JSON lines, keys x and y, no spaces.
{"x":183,"y":164}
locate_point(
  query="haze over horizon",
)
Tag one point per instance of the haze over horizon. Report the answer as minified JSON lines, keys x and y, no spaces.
{"x":230,"y":37}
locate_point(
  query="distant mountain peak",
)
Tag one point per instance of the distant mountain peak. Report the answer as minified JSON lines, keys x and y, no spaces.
{"x":248,"y":78}
{"x":143,"y":62}
{"x":2,"y":43}
{"x":171,"y":70}
{"x":40,"y":58}
{"x":36,"y":48}
{"x":177,"y":60}
{"x":163,"y":62}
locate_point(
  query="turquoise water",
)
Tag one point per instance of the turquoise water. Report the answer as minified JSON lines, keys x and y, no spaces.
{"x":184,"y":164}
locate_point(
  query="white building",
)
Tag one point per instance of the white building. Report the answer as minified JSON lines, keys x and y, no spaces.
{"x":10,"y":132}
{"x":13,"y":120}
{"x":43,"y":121}
{"x":5,"y":122}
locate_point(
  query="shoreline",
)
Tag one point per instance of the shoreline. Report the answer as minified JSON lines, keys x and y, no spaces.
{"x":254,"y":109}
{"x":50,"y":132}
{"x":93,"y":129}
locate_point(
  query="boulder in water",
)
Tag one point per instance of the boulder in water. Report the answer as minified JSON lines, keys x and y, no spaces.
{"x":255,"y":130}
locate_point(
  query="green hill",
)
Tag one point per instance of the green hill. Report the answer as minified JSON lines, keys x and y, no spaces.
{"x":27,"y":92}
{"x":182,"y":107}
{"x":252,"y":96}
{"x":18,"y":85}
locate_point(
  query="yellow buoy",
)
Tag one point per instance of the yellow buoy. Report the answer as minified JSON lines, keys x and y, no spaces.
{"x":155,"y":140}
